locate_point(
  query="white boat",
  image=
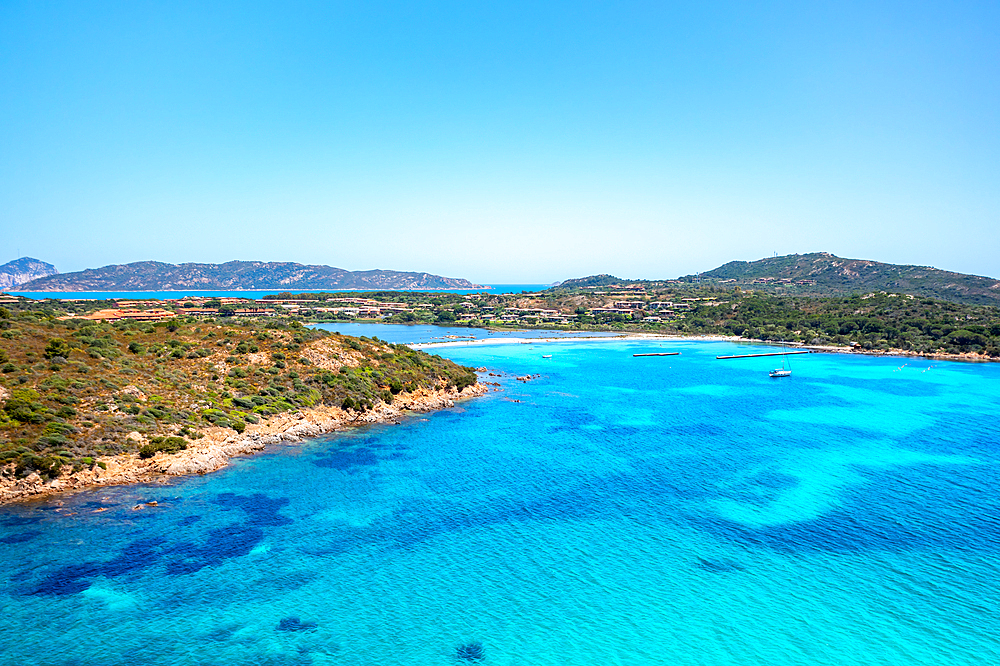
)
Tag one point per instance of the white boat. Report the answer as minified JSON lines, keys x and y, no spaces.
{"x":546,"y":355}
{"x":782,"y":371}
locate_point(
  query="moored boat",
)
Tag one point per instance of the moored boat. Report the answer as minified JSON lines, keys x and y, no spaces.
{"x":782,"y":371}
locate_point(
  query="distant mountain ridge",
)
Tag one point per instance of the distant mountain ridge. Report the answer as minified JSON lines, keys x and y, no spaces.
{"x":236,"y":275}
{"x":25,"y":269}
{"x":824,"y":274}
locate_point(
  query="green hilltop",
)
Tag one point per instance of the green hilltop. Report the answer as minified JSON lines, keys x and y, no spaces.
{"x":73,"y":389}
{"x":824,"y":274}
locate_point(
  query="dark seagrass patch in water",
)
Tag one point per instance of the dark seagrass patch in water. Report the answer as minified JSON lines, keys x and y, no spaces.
{"x":470,"y":652}
{"x":292,"y":623}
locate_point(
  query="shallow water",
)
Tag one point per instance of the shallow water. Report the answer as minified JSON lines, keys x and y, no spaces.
{"x":615,"y":510}
{"x":423,"y":333}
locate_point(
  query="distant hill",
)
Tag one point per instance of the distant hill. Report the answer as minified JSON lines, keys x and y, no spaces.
{"x":236,"y":275}
{"x":22,"y":270}
{"x":823,"y":274}
{"x":602,"y":280}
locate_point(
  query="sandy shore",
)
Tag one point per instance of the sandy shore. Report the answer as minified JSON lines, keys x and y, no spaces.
{"x":653,"y":337}
{"x":625,"y":337}
{"x":214,"y":450}
{"x":969,"y":357}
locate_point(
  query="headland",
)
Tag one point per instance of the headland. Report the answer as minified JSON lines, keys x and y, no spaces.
{"x":91,"y":402}
{"x":218,"y":445}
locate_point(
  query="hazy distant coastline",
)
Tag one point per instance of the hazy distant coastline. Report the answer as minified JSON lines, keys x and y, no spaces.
{"x":236,"y":275}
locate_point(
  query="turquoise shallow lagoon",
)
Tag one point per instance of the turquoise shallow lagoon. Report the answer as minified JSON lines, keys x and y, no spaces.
{"x":423,"y":333}
{"x":615,"y":510}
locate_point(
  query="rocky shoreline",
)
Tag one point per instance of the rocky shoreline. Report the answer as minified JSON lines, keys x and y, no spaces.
{"x":213,"y":451}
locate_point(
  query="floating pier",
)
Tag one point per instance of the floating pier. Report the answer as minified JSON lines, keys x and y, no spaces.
{"x":659,"y":354}
{"x":785,"y":353}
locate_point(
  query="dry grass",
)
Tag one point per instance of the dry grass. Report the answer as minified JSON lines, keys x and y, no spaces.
{"x":77,"y":389}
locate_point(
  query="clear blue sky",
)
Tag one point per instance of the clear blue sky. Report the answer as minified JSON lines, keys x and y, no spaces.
{"x":501,"y":142}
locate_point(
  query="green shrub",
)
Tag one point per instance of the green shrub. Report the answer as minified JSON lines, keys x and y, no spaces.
{"x":23,"y":406}
{"x":465,"y":379}
{"x":58,"y":428}
{"x":162,"y":445}
{"x":157,"y":412}
{"x":56,"y":347}
{"x":213,"y":415}
{"x":47,"y":466}
{"x":47,"y":441}
{"x":965,"y":337}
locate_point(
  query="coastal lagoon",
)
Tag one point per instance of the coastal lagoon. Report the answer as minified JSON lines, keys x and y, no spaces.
{"x":432,"y":333}
{"x":611,"y":510}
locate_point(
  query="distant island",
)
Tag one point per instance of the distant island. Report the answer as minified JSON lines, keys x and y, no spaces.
{"x":22,"y":270}
{"x":234,"y":276}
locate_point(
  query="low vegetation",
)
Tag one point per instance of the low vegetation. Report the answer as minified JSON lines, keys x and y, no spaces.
{"x":73,"y":389}
{"x":872,"y":321}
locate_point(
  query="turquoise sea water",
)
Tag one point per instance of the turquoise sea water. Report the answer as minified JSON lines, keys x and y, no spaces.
{"x":417,"y":333}
{"x":614,"y":510}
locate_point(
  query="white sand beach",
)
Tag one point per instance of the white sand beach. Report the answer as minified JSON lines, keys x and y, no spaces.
{"x":625,"y":337}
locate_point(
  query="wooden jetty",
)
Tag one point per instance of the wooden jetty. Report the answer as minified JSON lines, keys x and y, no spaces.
{"x":659,"y":354}
{"x":784,"y":353}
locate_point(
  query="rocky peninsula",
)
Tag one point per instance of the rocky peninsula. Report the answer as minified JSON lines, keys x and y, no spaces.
{"x":86,"y":402}
{"x":213,"y":451}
